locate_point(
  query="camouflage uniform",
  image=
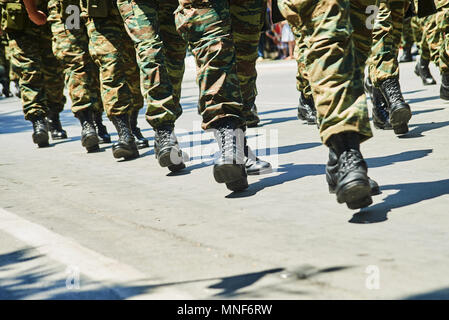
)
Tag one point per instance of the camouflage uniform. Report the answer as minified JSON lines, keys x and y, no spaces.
{"x":407,"y":34}
{"x":442,"y":18}
{"x":247,"y":18}
{"x":386,"y":39}
{"x":160,"y":56}
{"x":302,"y":84}
{"x":107,"y":47}
{"x":206,"y":26}
{"x":71,"y":47}
{"x":41,"y":77}
{"x":334,"y":60}
{"x":427,"y":38}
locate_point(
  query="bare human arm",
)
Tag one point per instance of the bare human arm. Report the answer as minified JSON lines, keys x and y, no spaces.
{"x":37,"y":16}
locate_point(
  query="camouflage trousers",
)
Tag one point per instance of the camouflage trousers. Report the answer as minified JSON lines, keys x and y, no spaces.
{"x":41,"y":77}
{"x":247,"y":19}
{"x":407,"y":34}
{"x":71,"y":47}
{"x":442,"y":18}
{"x":113,"y":53}
{"x":160,"y":56}
{"x":387,"y":33}
{"x":427,"y":38}
{"x":223,"y":36}
{"x":302,"y":84}
{"x":337,"y":46}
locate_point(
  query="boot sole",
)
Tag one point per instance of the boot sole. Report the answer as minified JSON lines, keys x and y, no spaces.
{"x":176,"y":167}
{"x":90,"y":142}
{"x":233,"y":175}
{"x":399,"y":120}
{"x":41,"y":139}
{"x":356,"y":195}
{"x":125,"y":153}
{"x":170,"y":157}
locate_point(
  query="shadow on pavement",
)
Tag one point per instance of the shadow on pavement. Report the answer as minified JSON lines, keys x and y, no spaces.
{"x":408,"y":194}
{"x":276,"y":120}
{"x":441,"y":294}
{"x":416,"y":112}
{"x":290,"y":171}
{"x":418,"y":129}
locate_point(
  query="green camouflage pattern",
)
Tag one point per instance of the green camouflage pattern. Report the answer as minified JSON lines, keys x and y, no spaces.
{"x":302,"y":84}
{"x":247,"y":19}
{"x":107,"y":47}
{"x":160,"y":56}
{"x":408,"y":38}
{"x":41,"y":77}
{"x":206,"y":26}
{"x":71,"y":47}
{"x":331,"y":56}
{"x":443,"y":31}
{"x":387,"y":33}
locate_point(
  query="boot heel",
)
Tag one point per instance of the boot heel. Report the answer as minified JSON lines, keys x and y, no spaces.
{"x":90,"y":142}
{"x":226,"y":173}
{"x":356,"y":195}
{"x":401,"y":129}
{"x":238,"y":185}
{"x":41,"y":139}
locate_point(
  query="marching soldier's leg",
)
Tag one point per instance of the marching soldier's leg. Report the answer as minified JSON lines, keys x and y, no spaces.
{"x":422,"y":66}
{"x":306,"y":105}
{"x":107,"y":47}
{"x":443,"y":28}
{"x":384,"y":66}
{"x":97,"y":104}
{"x":150,"y":24}
{"x":53,"y":76}
{"x":133,"y":75}
{"x":70,"y":47}
{"x":27,"y":57}
{"x":206,"y":25}
{"x":247,"y":18}
{"x":337,"y":87}
{"x":407,"y":41}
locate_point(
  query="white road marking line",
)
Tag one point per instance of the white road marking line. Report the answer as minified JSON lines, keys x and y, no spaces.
{"x":109,"y":272}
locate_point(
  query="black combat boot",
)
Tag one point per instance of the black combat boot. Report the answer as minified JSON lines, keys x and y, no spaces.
{"x":55,"y":127}
{"x":306,"y":109}
{"x":40,"y":132}
{"x":167,"y":150}
{"x":141,"y":142}
{"x":89,"y":138}
{"x":400,"y":113}
{"x":444,"y":88}
{"x":230,"y":167}
{"x":255,"y":166}
{"x":125,"y":147}
{"x":332,"y":168}
{"x":406,"y":55}
{"x":102,"y":131}
{"x":422,"y":70}
{"x":381,"y":116}
{"x":346,"y":171}
{"x":251,"y":117}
